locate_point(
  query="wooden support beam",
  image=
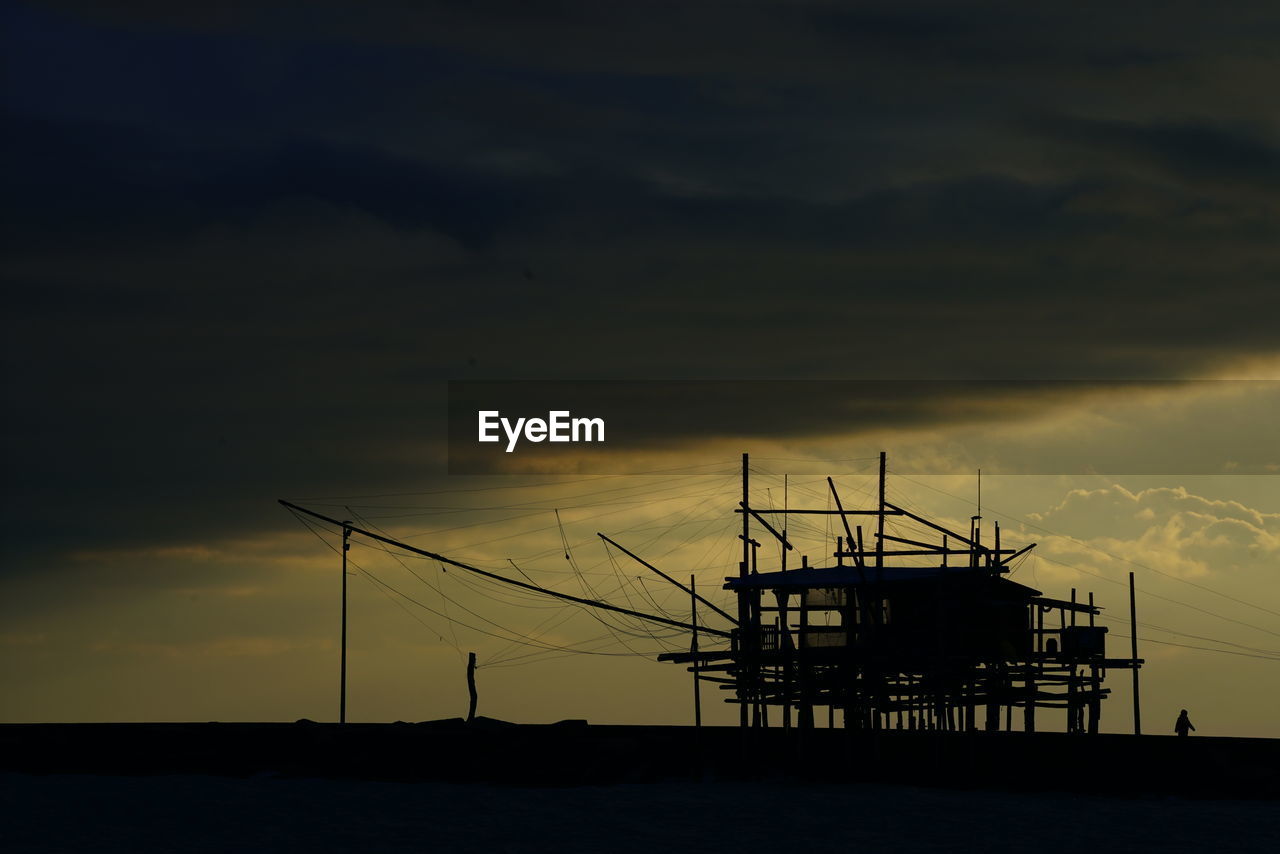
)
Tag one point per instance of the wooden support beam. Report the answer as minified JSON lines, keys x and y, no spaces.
{"x":662,"y":574}
{"x":702,"y":656}
{"x":1047,"y":603}
{"x":1019,"y":553}
{"x":793,"y":512}
{"x":929,"y":524}
{"x":931,"y":551}
{"x":844,"y":519}
{"x":781,"y":538}
{"x":905,"y":541}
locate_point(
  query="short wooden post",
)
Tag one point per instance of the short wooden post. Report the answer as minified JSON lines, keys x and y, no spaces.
{"x":471,"y":686}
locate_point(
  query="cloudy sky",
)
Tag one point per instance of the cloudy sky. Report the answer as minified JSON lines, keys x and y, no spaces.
{"x":247,"y":246}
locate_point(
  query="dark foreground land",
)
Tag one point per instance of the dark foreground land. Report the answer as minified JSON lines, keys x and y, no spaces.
{"x":444,"y":786}
{"x":87,"y":813}
{"x":573,"y":753}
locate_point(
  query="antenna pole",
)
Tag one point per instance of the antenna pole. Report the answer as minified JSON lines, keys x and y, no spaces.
{"x":342,"y":679}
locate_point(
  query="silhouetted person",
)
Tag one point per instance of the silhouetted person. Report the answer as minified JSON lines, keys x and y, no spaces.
{"x":1184,"y":724}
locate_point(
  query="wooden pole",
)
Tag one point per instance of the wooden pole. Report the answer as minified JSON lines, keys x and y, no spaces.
{"x":342,"y":677}
{"x":471,"y":686}
{"x":993,"y":697}
{"x":746,"y":520}
{"x":1095,"y":703}
{"x":880,"y":528}
{"x":802,"y":655}
{"x":787,"y":650}
{"x":875,"y":682}
{"x":784,"y":523}
{"x":975,"y":526}
{"x":697,"y":682}
{"x":745,"y":624}
{"x":1033,"y":671}
{"x":975,"y":532}
{"x":1133,"y":648}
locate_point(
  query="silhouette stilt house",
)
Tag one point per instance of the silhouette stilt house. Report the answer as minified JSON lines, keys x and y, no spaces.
{"x":904,"y":633}
{"x":920,"y":632}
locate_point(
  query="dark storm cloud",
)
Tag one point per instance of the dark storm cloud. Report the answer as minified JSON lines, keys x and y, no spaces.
{"x":1245,"y":155}
{"x":131,"y":179}
{"x":248,"y":243}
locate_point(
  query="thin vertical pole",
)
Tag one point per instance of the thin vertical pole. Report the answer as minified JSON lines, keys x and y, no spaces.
{"x":746,"y":520}
{"x":978,"y":525}
{"x":1095,"y":704}
{"x":787,"y":650}
{"x":697,"y":686}
{"x":973,"y":550}
{"x":745,"y":676}
{"x":1133,"y":648}
{"x":784,"y":523}
{"x":802,"y":655}
{"x":880,"y":525}
{"x":342,"y":678}
{"x":1034,"y":671}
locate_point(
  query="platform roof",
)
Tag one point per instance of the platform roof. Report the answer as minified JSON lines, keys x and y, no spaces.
{"x":852,"y":576}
